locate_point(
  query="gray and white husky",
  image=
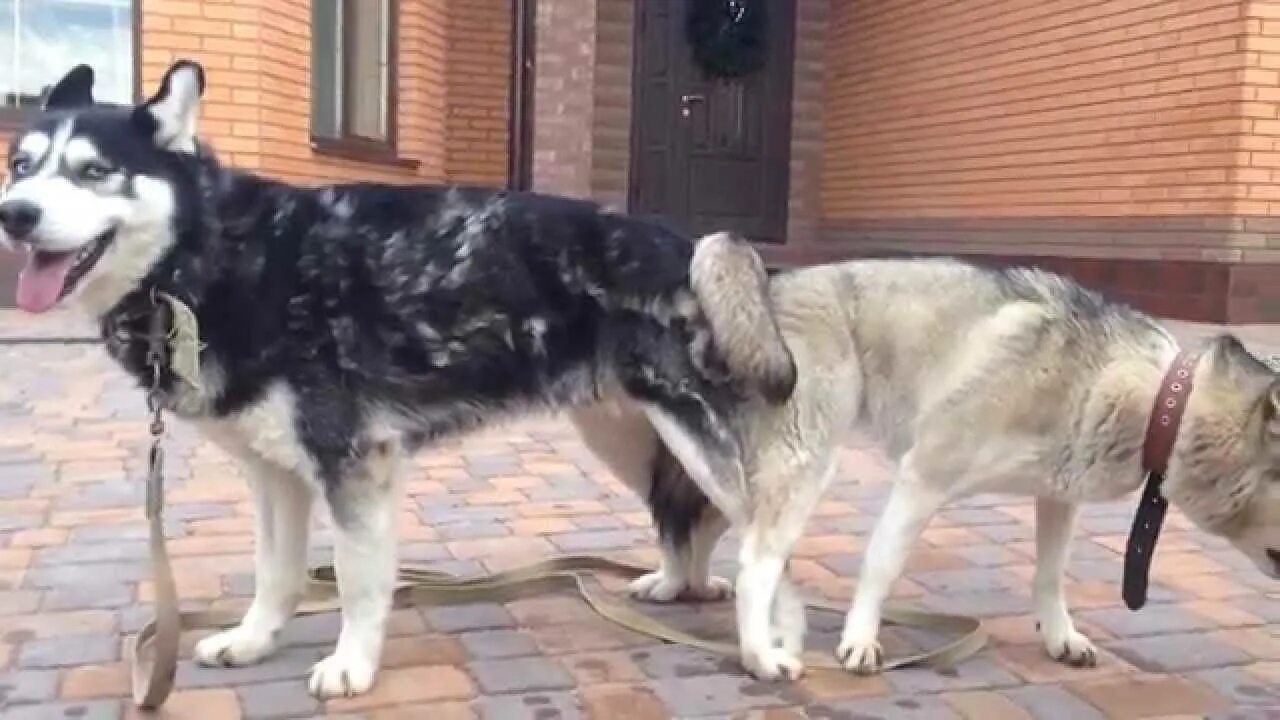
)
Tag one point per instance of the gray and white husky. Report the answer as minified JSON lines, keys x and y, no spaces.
{"x":345,"y":326}
{"x":976,"y":381}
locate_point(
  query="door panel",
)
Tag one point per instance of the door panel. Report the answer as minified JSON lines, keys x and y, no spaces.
{"x":711,"y":154}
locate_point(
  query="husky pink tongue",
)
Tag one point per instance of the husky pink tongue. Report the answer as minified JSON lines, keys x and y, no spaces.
{"x":40,"y":286}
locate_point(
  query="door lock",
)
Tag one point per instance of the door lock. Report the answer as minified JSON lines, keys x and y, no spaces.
{"x":687,"y":101}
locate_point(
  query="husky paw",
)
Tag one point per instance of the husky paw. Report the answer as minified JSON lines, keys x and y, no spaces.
{"x":1071,"y":648}
{"x":657,"y":587}
{"x":861,"y":658}
{"x":713,"y":590}
{"x":234,"y":647}
{"x":772,"y":664}
{"x":341,"y":675}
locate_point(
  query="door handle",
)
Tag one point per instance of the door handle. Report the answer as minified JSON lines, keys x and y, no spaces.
{"x":687,"y":101}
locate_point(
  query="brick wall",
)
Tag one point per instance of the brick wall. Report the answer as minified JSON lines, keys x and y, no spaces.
{"x":1141,"y":133}
{"x":451,"y":93}
{"x":1031,"y":108}
{"x":478,"y":76}
{"x":564,"y":97}
{"x":452,"y":89}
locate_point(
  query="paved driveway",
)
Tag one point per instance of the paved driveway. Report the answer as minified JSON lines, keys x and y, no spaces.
{"x":74,"y":582}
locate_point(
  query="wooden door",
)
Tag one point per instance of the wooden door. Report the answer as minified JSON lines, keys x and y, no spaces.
{"x":711,"y":154}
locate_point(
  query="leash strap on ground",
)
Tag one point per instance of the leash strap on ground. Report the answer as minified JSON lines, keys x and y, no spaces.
{"x":156,"y":646}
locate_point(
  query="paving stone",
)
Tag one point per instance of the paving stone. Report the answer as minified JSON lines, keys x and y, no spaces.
{"x":972,"y":674}
{"x":318,"y":629}
{"x":1205,"y":607}
{"x":69,"y":650}
{"x":976,"y":516}
{"x":504,"y":643}
{"x":1150,"y":696}
{"x":84,"y":710}
{"x":1051,"y":702}
{"x":289,"y":663}
{"x":95,"y":681}
{"x":476,"y":616}
{"x":888,"y":708}
{"x":531,"y":706}
{"x":711,"y":694}
{"x":1239,"y":687}
{"x":1176,"y":653}
{"x":679,"y":661}
{"x":602,"y":522}
{"x":1006,"y":533}
{"x":97,"y":595}
{"x":978,"y":604}
{"x":402,"y":686}
{"x":68,"y":575}
{"x":520,"y":675}
{"x":19,"y":602}
{"x":1151,"y":620}
{"x":277,"y":699}
{"x":983,"y":705}
{"x":972,"y":580}
{"x":27,"y":686}
{"x":987,"y":555}
{"x":471,"y":530}
{"x":18,"y":522}
{"x":578,"y":542}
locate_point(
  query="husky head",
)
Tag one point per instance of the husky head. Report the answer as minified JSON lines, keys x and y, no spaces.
{"x":92,"y":190}
{"x":1225,"y":472}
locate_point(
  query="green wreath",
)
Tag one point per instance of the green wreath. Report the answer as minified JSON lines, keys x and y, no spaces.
{"x":728,"y":37}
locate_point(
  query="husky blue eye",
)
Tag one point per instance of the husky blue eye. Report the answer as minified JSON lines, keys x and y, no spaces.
{"x":21,"y":165}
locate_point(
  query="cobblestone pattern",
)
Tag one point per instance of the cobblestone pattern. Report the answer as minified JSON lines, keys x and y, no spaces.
{"x":74,"y":583}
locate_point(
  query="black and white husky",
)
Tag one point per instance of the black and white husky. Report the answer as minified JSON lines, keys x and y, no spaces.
{"x":345,"y":326}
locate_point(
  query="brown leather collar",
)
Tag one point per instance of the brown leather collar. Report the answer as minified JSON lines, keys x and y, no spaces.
{"x":1162,"y":431}
{"x":1166,"y":414}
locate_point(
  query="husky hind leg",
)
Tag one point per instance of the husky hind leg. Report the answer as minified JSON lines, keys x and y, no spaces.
{"x":688,"y":526}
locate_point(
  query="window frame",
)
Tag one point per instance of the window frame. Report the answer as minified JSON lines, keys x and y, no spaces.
{"x":12,"y":118}
{"x":344,"y":143}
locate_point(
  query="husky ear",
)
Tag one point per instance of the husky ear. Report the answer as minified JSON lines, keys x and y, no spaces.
{"x":170,"y":115}
{"x":74,"y":90}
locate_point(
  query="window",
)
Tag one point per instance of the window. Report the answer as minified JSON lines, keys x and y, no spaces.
{"x":352,"y":74}
{"x":41,"y":39}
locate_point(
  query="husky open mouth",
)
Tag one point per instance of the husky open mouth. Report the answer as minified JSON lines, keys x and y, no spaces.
{"x":48,"y":277}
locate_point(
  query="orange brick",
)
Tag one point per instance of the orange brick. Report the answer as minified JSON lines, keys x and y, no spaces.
{"x":985,"y":705}
{"x":39,"y":537}
{"x":399,"y":686}
{"x":91,"y":681}
{"x":1142,"y":696}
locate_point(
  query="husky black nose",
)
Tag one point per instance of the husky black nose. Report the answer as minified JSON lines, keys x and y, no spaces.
{"x":19,"y":218}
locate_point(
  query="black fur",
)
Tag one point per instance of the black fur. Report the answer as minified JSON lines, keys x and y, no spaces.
{"x":675,"y":501}
{"x":447,"y":305}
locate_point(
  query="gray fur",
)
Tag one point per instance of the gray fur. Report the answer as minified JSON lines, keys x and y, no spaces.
{"x":977,"y":381}
{"x":729,"y":288}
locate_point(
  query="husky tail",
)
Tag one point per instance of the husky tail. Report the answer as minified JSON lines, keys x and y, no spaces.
{"x":729,"y":280}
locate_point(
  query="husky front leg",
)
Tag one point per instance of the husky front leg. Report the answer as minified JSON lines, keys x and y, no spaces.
{"x":282,"y":520}
{"x":912,"y":503}
{"x":770,"y":612}
{"x":363,"y":501}
{"x":1054,"y":523}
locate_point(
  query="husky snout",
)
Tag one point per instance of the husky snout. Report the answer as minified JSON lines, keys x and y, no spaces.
{"x":18,"y":218}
